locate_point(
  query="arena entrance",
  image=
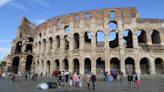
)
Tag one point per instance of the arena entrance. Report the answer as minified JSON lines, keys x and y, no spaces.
{"x":159,"y":66}
{"x":87,"y":65}
{"x":100,"y":66}
{"x":144,"y":65}
{"x":76,"y":65}
{"x":15,"y":64}
{"x":48,"y":67}
{"x":129,"y":65}
{"x":56,"y":64}
{"x":28,"y":63}
{"x":65,"y":63}
{"x":114,"y":64}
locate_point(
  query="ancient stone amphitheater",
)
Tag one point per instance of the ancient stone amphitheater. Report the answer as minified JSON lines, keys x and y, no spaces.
{"x":93,"y":40}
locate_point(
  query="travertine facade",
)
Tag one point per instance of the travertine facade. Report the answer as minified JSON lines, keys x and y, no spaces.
{"x":94,"y":40}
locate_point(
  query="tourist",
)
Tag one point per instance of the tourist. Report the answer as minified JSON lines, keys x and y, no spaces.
{"x":137,"y":80}
{"x":75,"y":79}
{"x":130,"y":79}
{"x":88,"y":80}
{"x":59,"y":80}
{"x":93,"y":77}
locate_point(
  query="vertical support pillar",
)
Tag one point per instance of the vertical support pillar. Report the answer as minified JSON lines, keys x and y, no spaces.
{"x":81,"y":62}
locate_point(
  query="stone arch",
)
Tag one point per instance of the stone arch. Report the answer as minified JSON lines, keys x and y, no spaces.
{"x":100,"y":38}
{"x":65,"y":64}
{"x":113,"y":39}
{"x":66,"y":42}
{"x":112,"y":25}
{"x":115,"y":64}
{"x":29,"y":60}
{"x":40,"y":35}
{"x":77,"y":17}
{"x":100,"y":66}
{"x":76,"y":41}
{"x":44,"y":45}
{"x":142,"y":38}
{"x":58,"y":41}
{"x":56,"y":64}
{"x":87,"y":63}
{"x":28,"y":48}
{"x":15,"y":64}
{"x":145,"y":66}
{"x":76,"y":65}
{"x":128,"y":38}
{"x":30,"y":39}
{"x":87,"y":37}
{"x":87,"y":15}
{"x":50,"y":43}
{"x":129,"y":65}
{"x":155,"y":36}
{"x":112,"y":15}
{"x":159,"y":66}
{"x":48,"y":67}
{"x":18,"y":47}
{"x":67,"y":29}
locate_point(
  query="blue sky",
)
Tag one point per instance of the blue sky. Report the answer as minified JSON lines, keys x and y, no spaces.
{"x":37,"y":11}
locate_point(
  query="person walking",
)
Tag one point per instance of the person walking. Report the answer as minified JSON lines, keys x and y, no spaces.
{"x":130,"y":79}
{"x":59,"y":80}
{"x":137,"y":80}
{"x":93,"y":77}
{"x":88,"y":80}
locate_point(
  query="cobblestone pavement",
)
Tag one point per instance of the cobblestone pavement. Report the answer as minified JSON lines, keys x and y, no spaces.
{"x":152,"y":84}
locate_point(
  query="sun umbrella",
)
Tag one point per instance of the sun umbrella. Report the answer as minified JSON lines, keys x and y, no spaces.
{"x":43,"y":86}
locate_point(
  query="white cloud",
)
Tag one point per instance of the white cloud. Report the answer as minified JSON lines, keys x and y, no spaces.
{"x":4,"y":2}
{"x":39,"y":21}
{"x":19,"y":6}
{"x":7,"y":41}
{"x":4,"y":52}
{"x":43,"y":2}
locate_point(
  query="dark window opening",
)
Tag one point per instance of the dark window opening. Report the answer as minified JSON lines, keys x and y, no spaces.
{"x":76,"y":41}
{"x":128,"y":39}
{"x":155,"y":37}
{"x":113,"y":39}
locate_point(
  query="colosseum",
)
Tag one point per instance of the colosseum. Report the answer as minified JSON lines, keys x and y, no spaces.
{"x":92,"y":40}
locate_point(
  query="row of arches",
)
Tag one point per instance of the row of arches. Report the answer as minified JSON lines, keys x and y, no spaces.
{"x":16,"y":64}
{"x":113,"y":39}
{"x":115,"y":63}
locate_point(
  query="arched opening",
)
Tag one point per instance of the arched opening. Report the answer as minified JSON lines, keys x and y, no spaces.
{"x":58,"y":41}
{"x":87,"y":15}
{"x":112,"y":25}
{"x":67,"y":29}
{"x":56,"y":64}
{"x":87,"y":65}
{"x":112,"y":15}
{"x":39,"y":47}
{"x":15,"y":64}
{"x":128,"y":39}
{"x":18,"y":47}
{"x":77,"y":16}
{"x":28,"y":48}
{"x":30,"y":39}
{"x":65,"y":63}
{"x":113,"y":39}
{"x":155,"y":36}
{"x":100,"y":38}
{"x":76,"y":41}
{"x":50,"y":43}
{"x":87,"y":37}
{"x":29,"y":60}
{"x":129,"y":65}
{"x":100,"y":66}
{"x":59,"y":21}
{"x":76,"y":65}
{"x":159,"y":66}
{"x":44,"y":44}
{"x":142,"y":38}
{"x":40,"y":35}
{"x":114,"y":64}
{"x":48,"y":67}
{"x":144,"y":66}
{"x":66,"y":41}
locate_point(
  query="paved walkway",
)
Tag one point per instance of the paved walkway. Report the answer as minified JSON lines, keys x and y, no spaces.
{"x":153,"y":84}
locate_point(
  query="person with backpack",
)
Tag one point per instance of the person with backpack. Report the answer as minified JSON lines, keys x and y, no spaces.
{"x":137,"y":80}
{"x":93,"y":78}
{"x":88,"y":80}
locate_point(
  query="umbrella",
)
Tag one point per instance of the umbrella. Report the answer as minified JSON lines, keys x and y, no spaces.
{"x":43,"y":86}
